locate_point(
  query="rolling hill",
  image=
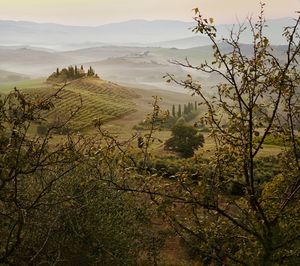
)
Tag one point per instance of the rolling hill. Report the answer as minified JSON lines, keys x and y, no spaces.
{"x":184,"y":43}
{"x":135,"y":69}
{"x":97,"y":99}
{"x":7,"y":76}
{"x":30,"y":61}
{"x":120,"y":107}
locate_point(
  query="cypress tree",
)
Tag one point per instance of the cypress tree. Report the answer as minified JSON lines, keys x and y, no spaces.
{"x":173,"y":111}
{"x":70,"y":71}
{"x":179,"y":110}
{"x":185,"y":109}
{"x":91,"y":71}
{"x":76,"y":71}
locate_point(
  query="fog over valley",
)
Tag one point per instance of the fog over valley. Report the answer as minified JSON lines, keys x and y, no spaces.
{"x":136,"y":51}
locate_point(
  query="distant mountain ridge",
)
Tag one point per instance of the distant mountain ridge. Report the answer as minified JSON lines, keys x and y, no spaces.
{"x":163,"y":33}
{"x":50,"y":34}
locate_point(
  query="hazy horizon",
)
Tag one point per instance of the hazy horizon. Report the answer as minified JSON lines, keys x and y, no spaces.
{"x":96,"y":13}
{"x":123,"y":21}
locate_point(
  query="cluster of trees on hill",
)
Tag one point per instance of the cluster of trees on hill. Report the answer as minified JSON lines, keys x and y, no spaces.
{"x":71,"y":73}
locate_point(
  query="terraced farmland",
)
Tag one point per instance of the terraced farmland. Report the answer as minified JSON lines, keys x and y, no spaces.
{"x":98,"y":99}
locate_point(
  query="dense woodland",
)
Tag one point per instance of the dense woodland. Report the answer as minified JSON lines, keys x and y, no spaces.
{"x":95,"y":199}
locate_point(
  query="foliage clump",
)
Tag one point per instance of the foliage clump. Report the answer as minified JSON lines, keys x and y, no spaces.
{"x":185,"y":140}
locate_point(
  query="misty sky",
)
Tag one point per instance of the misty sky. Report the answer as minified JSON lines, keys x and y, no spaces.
{"x":97,"y":12}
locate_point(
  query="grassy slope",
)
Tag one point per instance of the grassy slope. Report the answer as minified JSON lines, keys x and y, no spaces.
{"x":98,"y":99}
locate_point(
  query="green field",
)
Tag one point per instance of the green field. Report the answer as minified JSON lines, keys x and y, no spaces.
{"x":24,"y":84}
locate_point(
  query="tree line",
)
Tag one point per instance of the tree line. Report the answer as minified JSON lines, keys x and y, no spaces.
{"x":187,"y":109}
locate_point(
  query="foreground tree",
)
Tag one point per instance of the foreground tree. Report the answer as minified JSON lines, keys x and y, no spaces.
{"x":258,"y":99}
{"x":238,"y":207}
{"x":28,"y":167}
{"x":52,"y":208}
